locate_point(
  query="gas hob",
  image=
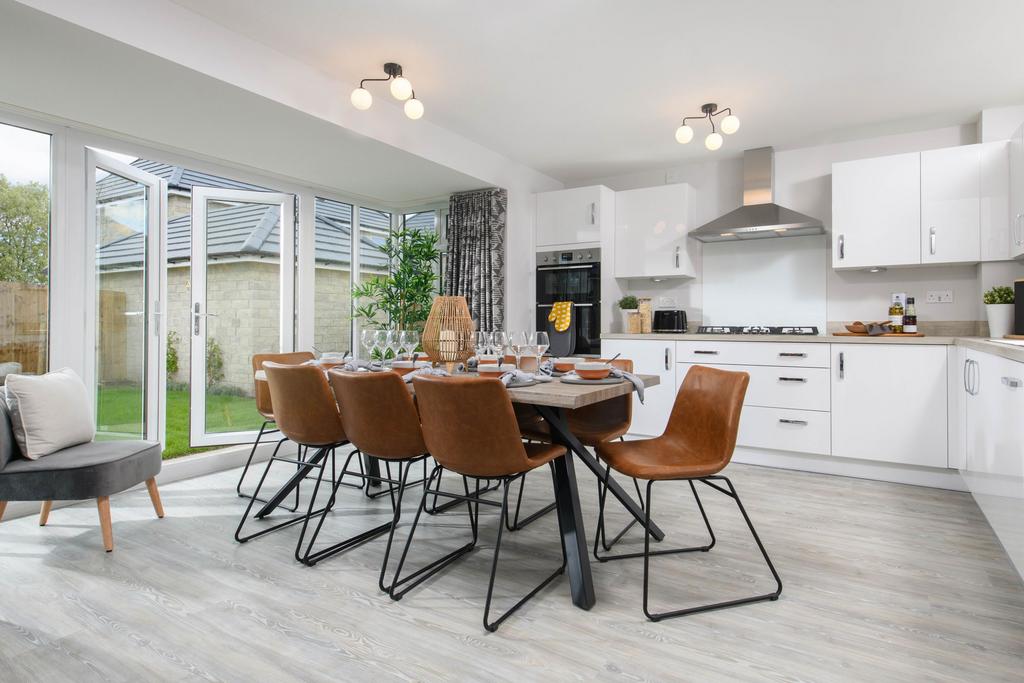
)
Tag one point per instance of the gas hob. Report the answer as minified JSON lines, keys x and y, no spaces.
{"x":756,"y":329}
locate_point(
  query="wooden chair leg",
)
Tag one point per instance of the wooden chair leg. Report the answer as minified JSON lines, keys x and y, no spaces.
{"x":3,"y":506}
{"x":103,"y":505}
{"x":154,"y":495}
{"x":44,"y":512}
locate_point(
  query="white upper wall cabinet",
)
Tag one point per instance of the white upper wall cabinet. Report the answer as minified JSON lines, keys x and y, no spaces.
{"x":995,"y":201}
{"x":570,"y":217}
{"x":651,"y":228}
{"x":876,"y":211}
{"x":951,"y":205}
{"x":1017,"y":194}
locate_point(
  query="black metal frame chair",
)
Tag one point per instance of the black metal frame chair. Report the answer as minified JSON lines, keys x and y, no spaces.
{"x":647,"y":553}
{"x":473,"y":502}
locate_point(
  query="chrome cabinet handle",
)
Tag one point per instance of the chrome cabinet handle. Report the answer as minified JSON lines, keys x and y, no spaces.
{"x":842,"y":365}
{"x":787,"y":421}
{"x":792,"y":379}
{"x":973,"y":376}
{"x":842,"y":247}
{"x":1012,"y":382}
{"x":707,"y":353}
{"x":790,"y":354}
{"x":666,"y":358}
{"x":967,"y":365}
{"x":593,"y":213}
{"x":931,"y":239}
{"x":677,"y":257}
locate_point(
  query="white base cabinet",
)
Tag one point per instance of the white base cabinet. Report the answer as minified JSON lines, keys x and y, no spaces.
{"x":889,"y":403}
{"x":649,"y":358}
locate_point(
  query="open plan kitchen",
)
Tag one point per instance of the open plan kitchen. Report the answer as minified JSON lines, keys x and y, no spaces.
{"x":554,"y":340}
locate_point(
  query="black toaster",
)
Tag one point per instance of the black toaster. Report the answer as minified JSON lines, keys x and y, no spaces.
{"x":669,"y":321}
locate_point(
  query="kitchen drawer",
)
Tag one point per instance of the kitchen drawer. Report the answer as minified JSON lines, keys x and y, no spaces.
{"x":781,"y":429}
{"x":753,"y":353}
{"x":778,"y":387}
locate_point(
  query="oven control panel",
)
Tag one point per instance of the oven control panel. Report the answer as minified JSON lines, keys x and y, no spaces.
{"x":568,"y":257}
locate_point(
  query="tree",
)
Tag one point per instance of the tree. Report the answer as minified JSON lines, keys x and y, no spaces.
{"x":24,"y":232}
{"x":405,"y":295}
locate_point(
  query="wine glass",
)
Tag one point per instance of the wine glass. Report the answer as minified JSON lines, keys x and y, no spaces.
{"x":410,"y":340}
{"x":390,"y":345}
{"x":366,"y":341}
{"x":483,"y":342}
{"x":517,"y":342}
{"x":380,"y":342}
{"x":500,"y":344}
{"x":542,"y":341}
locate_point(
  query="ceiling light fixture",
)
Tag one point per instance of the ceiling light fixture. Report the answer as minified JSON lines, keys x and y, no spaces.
{"x":400,"y":87}
{"x":728,"y":125}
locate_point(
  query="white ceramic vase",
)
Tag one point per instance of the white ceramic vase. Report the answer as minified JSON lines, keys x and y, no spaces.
{"x":1000,"y":319}
{"x":625,"y":313}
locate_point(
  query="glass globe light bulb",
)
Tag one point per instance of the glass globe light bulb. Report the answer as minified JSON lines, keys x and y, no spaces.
{"x":684,"y":134}
{"x":729,"y":125}
{"x":361,"y":99}
{"x":401,"y":88}
{"x":413,"y":108}
{"x":713,"y":141}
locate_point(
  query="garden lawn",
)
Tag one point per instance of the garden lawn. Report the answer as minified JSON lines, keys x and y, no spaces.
{"x":120,"y":412}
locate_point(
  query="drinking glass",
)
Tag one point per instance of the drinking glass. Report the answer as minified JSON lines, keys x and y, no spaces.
{"x":500,"y":344}
{"x":483,"y":342}
{"x":392,"y":344}
{"x":542,"y":341}
{"x":380,"y":342}
{"x":366,"y":341}
{"x":410,"y":340}
{"x":517,"y":343}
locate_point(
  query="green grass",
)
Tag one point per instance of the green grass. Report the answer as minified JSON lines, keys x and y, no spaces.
{"x":120,"y":411}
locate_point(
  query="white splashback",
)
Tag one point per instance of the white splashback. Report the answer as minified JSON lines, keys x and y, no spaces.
{"x":779,"y":281}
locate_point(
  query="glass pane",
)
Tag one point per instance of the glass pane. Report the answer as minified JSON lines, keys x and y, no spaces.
{"x":243,"y":281}
{"x":121,"y":226}
{"x":332,"y":302}
{"x":24,"y":250}
{"x":374,"y":228}
{"x":425,"y":221}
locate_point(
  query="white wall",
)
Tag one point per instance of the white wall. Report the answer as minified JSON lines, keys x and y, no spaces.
{"x":803,"y":182}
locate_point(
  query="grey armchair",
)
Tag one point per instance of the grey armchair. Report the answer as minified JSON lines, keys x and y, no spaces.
{"x":97,"y":470}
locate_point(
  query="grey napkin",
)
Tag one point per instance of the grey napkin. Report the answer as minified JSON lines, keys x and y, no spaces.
{"x":518,"y":376}
{"x":547,"y":368}
{"x":637,"y":383}
{"x":436,"y":372}
{"x":363,"y":366}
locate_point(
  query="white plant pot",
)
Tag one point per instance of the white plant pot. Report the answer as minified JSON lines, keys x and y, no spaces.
{"x":1000,"y":319}
{"x":624,"y":314}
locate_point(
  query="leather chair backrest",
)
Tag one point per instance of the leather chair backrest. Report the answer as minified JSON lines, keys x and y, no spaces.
{"x":706,"y":413}
{"x":304,"y":405}
{"x":469,"y":425}
{"x":263,"y":403}
{"x":378,"y":413}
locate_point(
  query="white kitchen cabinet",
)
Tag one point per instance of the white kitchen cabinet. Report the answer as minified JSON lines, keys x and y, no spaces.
{"x":649,"y":358}
{"x":951,"y":205}
{"x":651,"y":227}
{"x":889,"y":403}
{"x":876,"y":211}
{"x":994,"y":193}
{"x":571,"y":217}
{"x":993,"y":392}
{"x":1016,"y":154}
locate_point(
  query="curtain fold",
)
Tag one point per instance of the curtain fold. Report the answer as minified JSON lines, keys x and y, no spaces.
{"x":475,"y":263}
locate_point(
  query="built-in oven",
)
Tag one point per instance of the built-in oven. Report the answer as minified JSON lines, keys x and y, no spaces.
{"x":572,"y":276}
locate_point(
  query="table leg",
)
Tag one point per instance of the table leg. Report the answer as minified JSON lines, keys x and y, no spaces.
{"x":560,"y":429}
{"x":372,"y":466}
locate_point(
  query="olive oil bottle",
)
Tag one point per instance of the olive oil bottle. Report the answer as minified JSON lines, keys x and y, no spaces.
{"x":896,"y":316}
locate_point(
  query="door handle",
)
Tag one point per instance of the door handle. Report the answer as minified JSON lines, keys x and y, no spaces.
{"x":133,"y":314}
{"x":842,"y":365}
{"x":677,"y":257}
{"x":931,"y":240}
{"x":792,"y":379}
{"x":707,"y":353}
{"x":967,"y":364}
{"x":593,"y":213}
{"x":842,"y":247}
{"x":790,"y":354}
{"x":787,"y":421}
{"x":1012,"y":382}
{"x":196,"y":315}
{"x":973,"y":376}
{"x":666,"y":358}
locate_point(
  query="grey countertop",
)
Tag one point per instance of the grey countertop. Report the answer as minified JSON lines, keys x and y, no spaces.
{"x":998,"y":348}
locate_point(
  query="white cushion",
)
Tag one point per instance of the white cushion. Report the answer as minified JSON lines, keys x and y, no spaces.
{"x":49,"y":412}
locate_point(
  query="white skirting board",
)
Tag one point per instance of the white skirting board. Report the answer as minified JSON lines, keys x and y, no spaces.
{"x":185,"y":467}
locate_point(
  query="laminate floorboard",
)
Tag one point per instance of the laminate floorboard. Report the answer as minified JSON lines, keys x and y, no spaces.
{"x":882,"y":582}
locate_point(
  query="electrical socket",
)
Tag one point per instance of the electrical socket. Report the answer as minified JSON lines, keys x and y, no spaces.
{"x":941,"y":296}
{"x":666,"y":302}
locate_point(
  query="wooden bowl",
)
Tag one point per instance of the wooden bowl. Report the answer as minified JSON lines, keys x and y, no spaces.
{"x":593,"y":370}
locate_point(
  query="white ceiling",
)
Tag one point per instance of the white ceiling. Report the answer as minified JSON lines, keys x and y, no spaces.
{"x":589,"y":88}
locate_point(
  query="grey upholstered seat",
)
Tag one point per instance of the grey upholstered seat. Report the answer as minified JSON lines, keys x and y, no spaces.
{"x":89,"y":470}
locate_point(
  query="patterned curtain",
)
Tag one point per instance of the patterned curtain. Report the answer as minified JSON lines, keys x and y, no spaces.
{"x":475,"y":260}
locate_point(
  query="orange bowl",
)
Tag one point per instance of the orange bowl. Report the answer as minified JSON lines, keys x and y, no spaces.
{"x":593,"y":370}
{"x":565,"y":364}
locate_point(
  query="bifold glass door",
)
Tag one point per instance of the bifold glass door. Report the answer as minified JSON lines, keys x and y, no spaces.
{"x":125,"y":222}
{"x":242,"y":303}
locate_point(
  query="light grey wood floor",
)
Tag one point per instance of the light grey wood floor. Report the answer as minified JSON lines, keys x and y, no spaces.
{"x":882,"y":582}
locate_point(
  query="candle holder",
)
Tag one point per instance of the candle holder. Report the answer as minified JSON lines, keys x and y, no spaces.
{"x":448,"y":333}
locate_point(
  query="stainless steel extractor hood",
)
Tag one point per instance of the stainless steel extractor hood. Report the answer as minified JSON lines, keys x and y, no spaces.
{"x":759,"y":217}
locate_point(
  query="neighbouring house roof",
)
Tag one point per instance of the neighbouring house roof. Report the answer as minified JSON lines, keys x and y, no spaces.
{"x":246,"y":229}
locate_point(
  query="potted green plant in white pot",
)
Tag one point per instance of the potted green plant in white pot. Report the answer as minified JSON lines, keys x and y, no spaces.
{"x":628,"y":305}
{"x":999,"y":311}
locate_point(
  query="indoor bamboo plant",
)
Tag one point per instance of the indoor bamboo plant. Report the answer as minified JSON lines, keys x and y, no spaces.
{"x":401,"y":299}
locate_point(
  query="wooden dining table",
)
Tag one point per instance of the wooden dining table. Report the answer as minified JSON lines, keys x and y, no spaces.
{"x":551,"y":400}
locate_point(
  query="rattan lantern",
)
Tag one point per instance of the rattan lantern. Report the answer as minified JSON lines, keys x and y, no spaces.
{"x":448,"y":333}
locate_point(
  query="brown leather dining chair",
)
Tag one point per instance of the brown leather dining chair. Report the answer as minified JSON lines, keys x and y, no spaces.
{"x":380,"y":419}
{"x":306,"y":412}
{"x":265,"y":406}
{"x":697,"y":445}
{"x":470,"y":429}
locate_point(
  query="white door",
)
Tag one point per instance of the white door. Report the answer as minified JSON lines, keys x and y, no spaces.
{"x":125,"y":223}
{"x":951,"y":205}
{"x":242,"y":303}
{"x":876,"y":212}
{"x":889,"y":403}
{"x":649,"y":358}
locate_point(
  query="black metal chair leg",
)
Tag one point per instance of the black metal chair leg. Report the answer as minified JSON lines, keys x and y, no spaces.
{"x":493,"y":625}
{"x":731,"y":492}
{"x":444,"y":507}
{"x":515,"y":524}
{"x":252,"y":454}
{"x":422,"y":574}
{"x":397,"y":505}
